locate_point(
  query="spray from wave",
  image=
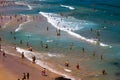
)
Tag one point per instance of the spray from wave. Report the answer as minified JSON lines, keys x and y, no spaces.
{"x":57,"y":24}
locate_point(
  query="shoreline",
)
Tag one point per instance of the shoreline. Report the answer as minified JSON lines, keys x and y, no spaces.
{"x":58,"y":72}
{"x":15,"y":65}
{"x":18,"y":55}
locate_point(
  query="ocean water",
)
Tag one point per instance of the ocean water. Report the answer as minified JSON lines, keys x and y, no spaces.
{"x":82,"y":24}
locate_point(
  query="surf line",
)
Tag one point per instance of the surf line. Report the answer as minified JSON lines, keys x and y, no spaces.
{"x":28,"y":54}
{"x":69,"y":7}
{"x":7,"y":23}
{"x":23,"y":3}
{"x":20,"y":25}
{"x":51,"y":21}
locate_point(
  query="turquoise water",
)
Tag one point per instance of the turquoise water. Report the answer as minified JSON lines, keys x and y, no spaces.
{"x":100,"y":15}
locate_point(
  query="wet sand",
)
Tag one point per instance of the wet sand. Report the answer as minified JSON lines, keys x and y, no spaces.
{"x":12,"y":67}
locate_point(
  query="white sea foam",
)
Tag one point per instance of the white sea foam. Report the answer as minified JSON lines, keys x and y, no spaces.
{"x":29,"y":54}
{"x":55,"y":55}
{"x":4,"y":26}
{"x":20,"y":25}
{"x":42,"y":0}
{"x":69,"y":7}
{"x":54,"y":21}
{"x":23,"y":3}
{"x":49,"y":41}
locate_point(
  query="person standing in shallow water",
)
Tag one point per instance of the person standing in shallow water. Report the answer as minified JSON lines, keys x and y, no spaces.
{"x":104,"y":72}
{"x":21,"y":42}
{"x":47,"y":28}
{"x":41,"y":43}
{"x":101,"y":57}
{"x":33,"y":59}
{"x":94,"y":53}
{"x":46,"y":46}
{"x":83,"y":50}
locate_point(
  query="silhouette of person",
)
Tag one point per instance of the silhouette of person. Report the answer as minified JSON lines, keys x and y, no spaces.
{"x":24,"y":76}
{"x":22,"y":55}
{"x":33,"y":59}
{"x":28,"y":75}
{"x":77,"y":66}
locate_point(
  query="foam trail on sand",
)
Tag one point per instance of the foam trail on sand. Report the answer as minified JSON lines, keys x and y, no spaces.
{"x":6,"y":24}
{"x":69,"y":7}
{"x":20,"y":25}
{"x":51,"y":19}
{"x":23,"y":3}
{"x":29,"y":54}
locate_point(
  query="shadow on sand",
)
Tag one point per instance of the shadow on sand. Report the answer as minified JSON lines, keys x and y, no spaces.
{"x":61,"y":78}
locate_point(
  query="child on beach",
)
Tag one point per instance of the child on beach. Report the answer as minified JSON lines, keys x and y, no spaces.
{"x":44,"y":72}
{"x":67,"y":64}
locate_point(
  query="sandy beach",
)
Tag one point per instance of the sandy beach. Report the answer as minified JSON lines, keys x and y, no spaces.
{"x":55,"y":40}
{"x":12,"y":67}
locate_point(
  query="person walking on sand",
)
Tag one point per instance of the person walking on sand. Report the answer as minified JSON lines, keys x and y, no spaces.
{"x":0,"y":39}
{"x":24,"y":76}
{"x":28,"y":75}
{"x":22,"y":55}
{"x":77,"y":66}
{"x":0,"y":47}
{"x":4,"y":54}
